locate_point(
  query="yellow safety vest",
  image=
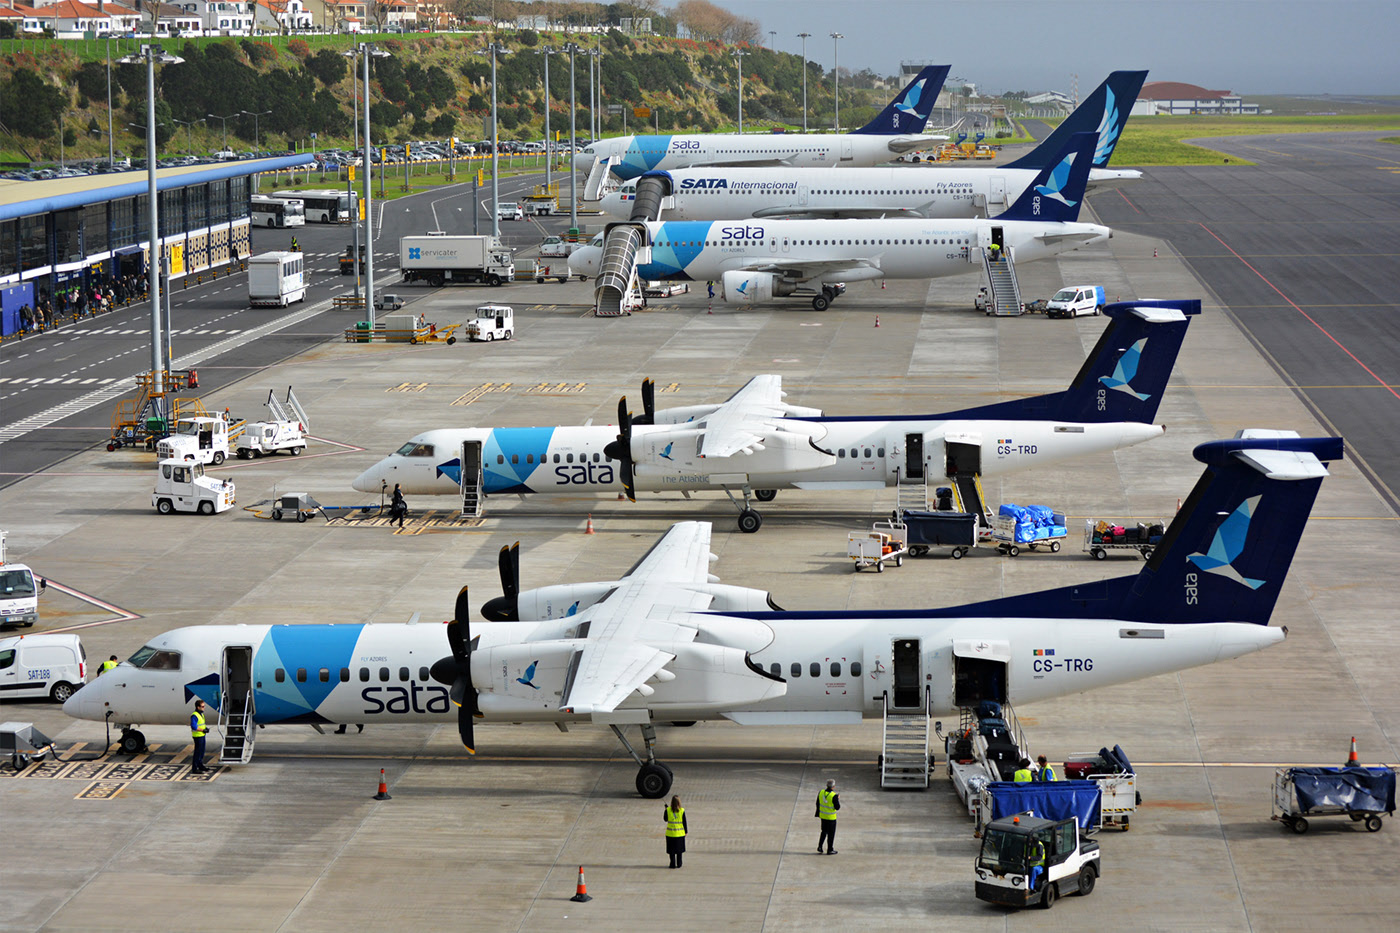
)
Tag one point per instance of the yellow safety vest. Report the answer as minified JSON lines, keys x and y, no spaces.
{"x":675,"y":822}
{"x":199,"y":732}
{"x":107,"y":666}
{"x":1047,"y":773}
{"x":1037,"y":854}
{"x":1022,"y":775}
{"x":826,"y":804}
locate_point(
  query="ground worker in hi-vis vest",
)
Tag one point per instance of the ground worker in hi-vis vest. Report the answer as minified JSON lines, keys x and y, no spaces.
{"x":1023,"y":772}
{"x":198,"y":730}
{"x":828,"y":802}
{"x":674,"y":815}
{"x":107,"y":665}
{"x":1046,"y":773}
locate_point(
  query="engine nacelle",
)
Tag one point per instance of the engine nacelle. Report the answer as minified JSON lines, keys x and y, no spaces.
{"x":745,"y":288}
{"x":532,"y":671}
{"x":683,"y":414}
{"x":561,"y":601}
{"x":729,"y":598}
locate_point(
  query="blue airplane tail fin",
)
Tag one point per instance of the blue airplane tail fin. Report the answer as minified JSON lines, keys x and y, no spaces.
{"x":909,"y":111}
{"x":1105,"y":112}
{"x":1057,"y":192}
{"x":1122,"y":378}
{"x":1224,"y":556}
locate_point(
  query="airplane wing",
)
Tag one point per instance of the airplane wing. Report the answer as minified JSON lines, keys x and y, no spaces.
{"x":907,"y":143}
{"x":743,"y":420}
{"x":807,"y":268}
{"x":838,"y":213}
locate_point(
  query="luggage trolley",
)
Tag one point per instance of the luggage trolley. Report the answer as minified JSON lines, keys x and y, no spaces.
{"x":1362,"y":794}
{"x":884,"y":543}
{"x":957,"y":530}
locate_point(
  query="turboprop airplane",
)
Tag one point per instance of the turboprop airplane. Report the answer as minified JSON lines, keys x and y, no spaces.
{"x":755,"y":443}
{"x":759,"y":261}
{"x":897,"y":129}
{"x":717,"y":193}
{"x":667,"y":643}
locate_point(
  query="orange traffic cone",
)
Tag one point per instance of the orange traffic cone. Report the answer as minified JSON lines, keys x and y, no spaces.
{"x":1352,"y":760}
{"x":582,"y":894}
{"x":1154,"y":252}
{"x":589,"y":529}
{"x":383,"y":788}
{"x":882,"y":285}
{"x":877,"y":320}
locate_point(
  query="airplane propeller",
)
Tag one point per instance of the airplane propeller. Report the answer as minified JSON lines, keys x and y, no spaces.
{"x":648,"y":415}
{"x":621,"y":449}
{"x":506,"y":607}
{"x":457,"y":670}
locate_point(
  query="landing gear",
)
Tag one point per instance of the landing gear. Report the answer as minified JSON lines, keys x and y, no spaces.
{"x":132,"y":741}
{"x":749,"y":518}
{"x":765,"y":495}
{"x":750,"y":521}
{"x":653,"y":778}
{"x":821,"y":303}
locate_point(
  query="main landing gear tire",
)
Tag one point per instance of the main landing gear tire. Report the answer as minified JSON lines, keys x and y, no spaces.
{"x":765,"y":495}
{"x":132,"y":741}
{"x":750,"y":521}
{"x":654,"y":780}
{"x":821,"y":303}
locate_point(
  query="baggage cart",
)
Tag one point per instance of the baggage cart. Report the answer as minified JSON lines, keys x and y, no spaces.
{"x":884,"y":543}
{"x":1114,"y":773}
{"x":1102,"y":536}
{"x":1360,"y":793}
{"x":1019,"y":528}
{"x":956,"y":530}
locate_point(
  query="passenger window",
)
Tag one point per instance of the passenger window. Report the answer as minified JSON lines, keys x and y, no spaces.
{"x":816,"y":669}
{"x":500,"y":459}
{"x":364,"y":675}
{"x":556,"y":458}
{"x":835,"y":668}
{"x":345,"y":675}
{"x":279,"y":675}
{"x":880,"y":452}
{"x":855,"y":668}
{"x":403,"y":674}
{"x":384,"y":675}
{"x":569,"y":458}
{"x":301,"y":675}
{"x":775,"y":669}
{"x":796,"y":669}
{"x":529,"y":458}
{"x":841,"y":454}
{"x":423,"y":673}
{"x":515,"y":458}
{"x":325,"y":675}
{"x":867,"y":453}
{"x":595,"y":456}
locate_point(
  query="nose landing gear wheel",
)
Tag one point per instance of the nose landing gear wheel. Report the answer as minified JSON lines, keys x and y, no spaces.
{"x":654,"y":780}
{"x":132,"y":741}
{"x":750,"y":521}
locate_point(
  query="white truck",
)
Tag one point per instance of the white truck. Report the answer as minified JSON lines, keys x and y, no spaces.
{"x":557,"y":247}
{"x":440,"y":259}
{"x":1074,"y":300}
{"x":181,"y":486}
{"x":203,"y":439}
{"x":19,"y":592}
{"x":276,"y":279}
{"x":286,"y":431}
{"x":1027,"y":860}
{"x":492,"y":322}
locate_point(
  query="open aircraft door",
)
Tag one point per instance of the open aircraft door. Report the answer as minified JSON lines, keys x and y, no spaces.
{"x":894,"y":667}
{"x":915,"y":470}
{"x":471,"y":478}
{"x":236,"y":681}
{"x":962,"y":454}
{"x":980,"y":671}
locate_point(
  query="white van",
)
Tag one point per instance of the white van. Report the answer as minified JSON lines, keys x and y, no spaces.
{"x":1075,"y":300}
{"x":43,"y":665}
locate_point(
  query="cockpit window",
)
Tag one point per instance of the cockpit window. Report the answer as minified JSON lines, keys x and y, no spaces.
{"x":155,"y":659}
{"x":415,"y":449}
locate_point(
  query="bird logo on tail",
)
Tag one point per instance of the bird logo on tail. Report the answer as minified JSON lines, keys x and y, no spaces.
{"x":1059,"y":176}
{"x":910,"y":102}
{"x":1227,"y":545}
{"x":1126,"y":369}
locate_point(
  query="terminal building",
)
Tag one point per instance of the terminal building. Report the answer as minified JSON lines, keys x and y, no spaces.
{"x":65,"y":234}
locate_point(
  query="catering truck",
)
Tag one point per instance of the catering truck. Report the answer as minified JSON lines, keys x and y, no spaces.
{"x":439,"y":259}
{"x":276,"y":279}
{"x":19,"y":592}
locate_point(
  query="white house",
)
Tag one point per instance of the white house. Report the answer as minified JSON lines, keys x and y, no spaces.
{"x":280,"y":15}
{"x":222,"y":17}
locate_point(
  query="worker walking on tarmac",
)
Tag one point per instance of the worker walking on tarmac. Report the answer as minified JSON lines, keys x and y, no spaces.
{"x":398,"y":508}
{"x":1046,"y":773}
{"x":296,"y":247}
{"x":107,"y":665}
{"x":674,"y":815}
{"x":1023,"y":772}
{"x":828,"y":803}
{"x":198,"y":730}
{"x":711,"y":287}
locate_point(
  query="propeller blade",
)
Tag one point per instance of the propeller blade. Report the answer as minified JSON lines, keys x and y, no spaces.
{"x":648,"y":403}
{"x":624,"y":471}
{"x":459,"y":636}
{"x":506,"y":607}
{"x":465,"y":729}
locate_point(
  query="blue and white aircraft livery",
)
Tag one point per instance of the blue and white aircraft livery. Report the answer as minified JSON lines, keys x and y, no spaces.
{"x":889,"y":191}
{"x":668,"y":643}
{"x":897,"y":129}
{"x":755,"y":443}
{"x":759,"y":261}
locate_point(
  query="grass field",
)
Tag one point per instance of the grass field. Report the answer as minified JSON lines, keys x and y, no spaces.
{"x":422,"y":177}
{"x":1159,"y":140}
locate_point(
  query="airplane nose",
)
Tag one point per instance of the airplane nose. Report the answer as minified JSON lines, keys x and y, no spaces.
{"x":86,"y":703}
{"x":369,"y":480}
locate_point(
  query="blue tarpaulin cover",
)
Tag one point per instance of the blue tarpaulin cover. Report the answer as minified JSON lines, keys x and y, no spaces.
{"x":1050,"y":800}
{"x":1352,"y":789}
{"x":1034,"y":522}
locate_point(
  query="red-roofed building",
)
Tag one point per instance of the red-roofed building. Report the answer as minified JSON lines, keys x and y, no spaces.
{"x":279,"y":15}
{"x":1179,"y":98}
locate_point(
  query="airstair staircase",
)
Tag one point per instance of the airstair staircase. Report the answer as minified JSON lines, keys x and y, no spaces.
{"x":904,"y":760}
{"x":289,"y":410}
{"x":910,"y":494}
{"x":237,"y":727}
{"x":1001,"y":277}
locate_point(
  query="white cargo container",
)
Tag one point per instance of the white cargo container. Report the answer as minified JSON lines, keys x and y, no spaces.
{"x":438,"y":260}
{"x":276,"y":279}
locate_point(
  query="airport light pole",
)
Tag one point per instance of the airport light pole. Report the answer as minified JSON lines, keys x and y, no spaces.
{"x":548,"y":142}
{"x":215,"y":116}
{"x":836,"y":38}
{"x":260,"y":113}
{"x":772,"y":40}
{"x":188,"y":125}
{"x":151,"y":54}
{"x":111,"y":144}
{"x":804,"y":37}
{"x":493,"y":49}
{"x":572,"y":49}
{"x":365,"y":51}
{"x":739,"y":67}
{"x":595,"y":125}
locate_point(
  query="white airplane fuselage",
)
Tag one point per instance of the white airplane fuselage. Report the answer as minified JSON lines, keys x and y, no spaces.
{"x":909,"y":191}
{"x":824,"y":669}
{"x":864,"y":454}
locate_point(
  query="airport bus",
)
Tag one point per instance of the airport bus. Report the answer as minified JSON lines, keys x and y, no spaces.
{"x":324,"y":206}
{"x":276,"y":212}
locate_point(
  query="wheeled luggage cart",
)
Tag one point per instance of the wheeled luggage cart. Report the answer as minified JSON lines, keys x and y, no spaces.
{"x":884,"y":543}
{"x":1362,"y":794}
{"x":956,"y":530}
{"x":1102,"y":536}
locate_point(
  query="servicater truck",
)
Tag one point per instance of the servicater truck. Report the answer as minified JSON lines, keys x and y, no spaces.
{"x":437,"y":260}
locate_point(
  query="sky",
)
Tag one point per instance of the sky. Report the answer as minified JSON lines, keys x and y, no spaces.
{"x":1246,"y":46}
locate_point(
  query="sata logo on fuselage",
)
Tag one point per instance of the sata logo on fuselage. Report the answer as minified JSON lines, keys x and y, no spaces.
{"x":688,"y":183}
{"x":395,"y":699}
{"x":741,"y":233}
{"x":685,"y":144}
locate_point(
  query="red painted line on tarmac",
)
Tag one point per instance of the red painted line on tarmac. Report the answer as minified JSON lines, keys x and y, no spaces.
{"x":1130,"y":203}
{"x":1311,"y":320}
{"x":121,"y":615}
